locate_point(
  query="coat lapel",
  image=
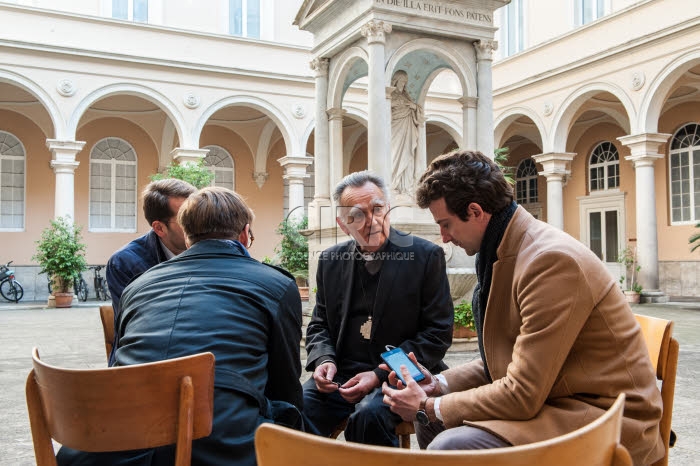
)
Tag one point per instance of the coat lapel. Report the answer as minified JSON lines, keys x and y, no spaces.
{"x":346,"y":277}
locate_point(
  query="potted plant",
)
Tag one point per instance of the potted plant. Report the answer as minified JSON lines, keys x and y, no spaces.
{"x":464,"y":321}
{"x":61,"y":255}
{"x":293,"y":252}
{"x":628,"y":281}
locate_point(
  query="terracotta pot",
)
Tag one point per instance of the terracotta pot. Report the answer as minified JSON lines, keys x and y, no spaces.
{"x":463,"y":332}
{"x":63,"y":299}
{"x":632,"y":296}
{"x":304,"y":293}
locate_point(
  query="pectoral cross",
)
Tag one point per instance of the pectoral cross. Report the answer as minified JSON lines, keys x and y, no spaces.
{"x":366,"y":329}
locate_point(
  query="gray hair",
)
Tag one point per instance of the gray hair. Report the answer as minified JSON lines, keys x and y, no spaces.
{"x":357,"y":180}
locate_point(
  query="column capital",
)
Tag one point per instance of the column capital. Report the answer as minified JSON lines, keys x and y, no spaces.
{"x":295,"y":167}
{"x":644,"y":147}
{"x":375,"y":31}
{"x":185,"y":156}
{"x":468,"y":102}
{"x":64,"y":152}
{"x":555,"y":165}
{"x":319,"y":66}
{"x":485,"y":49}
{"x":336,"y":113}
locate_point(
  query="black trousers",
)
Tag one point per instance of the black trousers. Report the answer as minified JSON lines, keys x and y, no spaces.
{"x":370,"y":421}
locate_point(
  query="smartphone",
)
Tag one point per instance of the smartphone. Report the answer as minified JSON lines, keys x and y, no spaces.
{"x":395,"y":358}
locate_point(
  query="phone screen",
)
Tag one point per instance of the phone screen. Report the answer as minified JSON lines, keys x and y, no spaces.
{"x":396,"y":358}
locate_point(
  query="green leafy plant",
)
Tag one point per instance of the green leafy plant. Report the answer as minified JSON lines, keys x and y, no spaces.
{"x":464,"y":317}
{"x":293,"y":249}
{"x":500,"y":156}
{"x":196,"y":174}
{"x":695,"y":239}
{"x":61,"y":253}
{"x":628,"y":258}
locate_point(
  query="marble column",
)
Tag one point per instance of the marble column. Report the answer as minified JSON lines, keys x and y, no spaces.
{"x":320,"y":206}
{"x":644,"y":152}
{"x":295,"y":173}
{"x":555,"y":169}
{"x":64,"y":164}
{"x":335,"y":123}
{"x":378,"y":147}
{"x":469,"y":105}
{"x":184,"y":156}
{"x":484,"y":106}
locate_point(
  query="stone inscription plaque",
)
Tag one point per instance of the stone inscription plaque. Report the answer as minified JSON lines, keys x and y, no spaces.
{"x":438,"y":10}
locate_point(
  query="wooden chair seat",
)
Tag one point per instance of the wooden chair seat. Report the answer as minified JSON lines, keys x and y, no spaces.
{"x":663,"y":351}
{"x":597,"y":443}
{"x":121,"y":408}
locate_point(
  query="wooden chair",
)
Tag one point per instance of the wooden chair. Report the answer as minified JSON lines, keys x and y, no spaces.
{"x":121,"y":408}
{"x":403,"y":432}
{"x":597,"y":444}
{"x":107,"y":317}
{"x":663,"y":351}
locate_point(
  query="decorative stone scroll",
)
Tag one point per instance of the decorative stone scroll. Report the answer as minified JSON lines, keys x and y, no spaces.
{"x":375,"y":31}
{"x":319,"y":66}
{"x":485,"y":49}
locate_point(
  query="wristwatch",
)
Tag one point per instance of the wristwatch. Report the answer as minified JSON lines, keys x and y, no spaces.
{"x":421,"y":416}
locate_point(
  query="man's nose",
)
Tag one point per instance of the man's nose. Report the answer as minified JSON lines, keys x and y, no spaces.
{"x":446,"y":238}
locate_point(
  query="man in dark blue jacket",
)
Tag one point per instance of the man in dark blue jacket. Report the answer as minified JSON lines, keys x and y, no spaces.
{"x":161,"y":202}
{"x":214,"y":297}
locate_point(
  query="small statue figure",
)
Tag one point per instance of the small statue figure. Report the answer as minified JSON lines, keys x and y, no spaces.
{"x":406,"y":116}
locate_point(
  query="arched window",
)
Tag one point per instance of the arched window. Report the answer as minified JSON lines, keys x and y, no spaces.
{"x":220,"y":162}
{"x":604,"y":167}
{"x":526,"y":182}
{"x":112,"y":186}
{"x":685,"y":174}
{"x":12,"y":159}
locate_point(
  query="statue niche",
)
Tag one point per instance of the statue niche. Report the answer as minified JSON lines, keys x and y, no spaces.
{"x":406,"y":116}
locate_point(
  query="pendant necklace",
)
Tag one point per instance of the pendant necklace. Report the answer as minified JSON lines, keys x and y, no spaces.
{"x":366,"y":328}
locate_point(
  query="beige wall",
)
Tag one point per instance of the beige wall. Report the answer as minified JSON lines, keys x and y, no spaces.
{"x":100,"y":246}
{"x":40,"y":185}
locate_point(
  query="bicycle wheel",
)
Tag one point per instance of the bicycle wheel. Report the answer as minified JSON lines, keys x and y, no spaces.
{"x":11,"y":291}
{"x":105,"y":291}
{"x":82,"y":290}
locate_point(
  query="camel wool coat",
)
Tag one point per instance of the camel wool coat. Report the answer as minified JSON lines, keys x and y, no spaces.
{"x":560,"y":342}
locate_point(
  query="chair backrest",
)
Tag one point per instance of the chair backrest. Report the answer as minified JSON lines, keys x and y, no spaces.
{"x":121,"y":408}
{"x":663,"y":351}
{"x":598,"y":443}
{"x":107,"y":317}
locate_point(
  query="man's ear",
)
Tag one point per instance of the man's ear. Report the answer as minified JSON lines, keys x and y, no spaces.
{"x":342,"y":226}
{"x":159,"y":227}
{"x":475,"y":210}
{"x":244,"y":236}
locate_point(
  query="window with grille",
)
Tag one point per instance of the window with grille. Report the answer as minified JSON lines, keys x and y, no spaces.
{"x":112,"y":186}
{"x":12,"y":169}
{"x":684,"y":174}
{"x":244,"y":18}
{"x":526,"y":182}
{"x":604,"y":167}
{"x":130,"y":10}
{"x":220,"y":162}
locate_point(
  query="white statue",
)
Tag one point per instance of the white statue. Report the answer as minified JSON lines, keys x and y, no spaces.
{"x":406,"y":116}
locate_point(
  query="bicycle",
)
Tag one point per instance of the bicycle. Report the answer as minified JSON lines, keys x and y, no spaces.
{"x":101,"y":288}
{"x":80,"y":287}
{"x":10,"y":288}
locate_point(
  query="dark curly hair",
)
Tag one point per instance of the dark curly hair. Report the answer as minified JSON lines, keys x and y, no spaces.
{"x":463,"y":177}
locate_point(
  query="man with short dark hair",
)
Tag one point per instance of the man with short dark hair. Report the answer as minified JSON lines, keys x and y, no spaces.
{"x":161,"y":202}
{"x":557,"y":339}
{"x":215,"y":297}
{"x":381,"y":288}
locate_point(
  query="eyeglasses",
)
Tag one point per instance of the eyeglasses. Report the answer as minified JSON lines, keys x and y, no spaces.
{"x":251,"y":238}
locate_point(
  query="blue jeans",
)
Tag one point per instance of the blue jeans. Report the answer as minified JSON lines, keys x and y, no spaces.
{"x":370,"y":421}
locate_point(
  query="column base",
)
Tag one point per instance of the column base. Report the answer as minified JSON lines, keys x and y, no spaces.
{"x":653,"y":296}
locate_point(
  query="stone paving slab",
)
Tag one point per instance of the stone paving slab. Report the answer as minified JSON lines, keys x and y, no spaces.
{"x":73,"y":338}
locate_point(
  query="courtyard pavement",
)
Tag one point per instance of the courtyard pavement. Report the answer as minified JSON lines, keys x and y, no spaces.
{"x":73,"y":338}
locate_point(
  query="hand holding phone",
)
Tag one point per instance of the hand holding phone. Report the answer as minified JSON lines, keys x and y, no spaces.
{"x":395,"y":358}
